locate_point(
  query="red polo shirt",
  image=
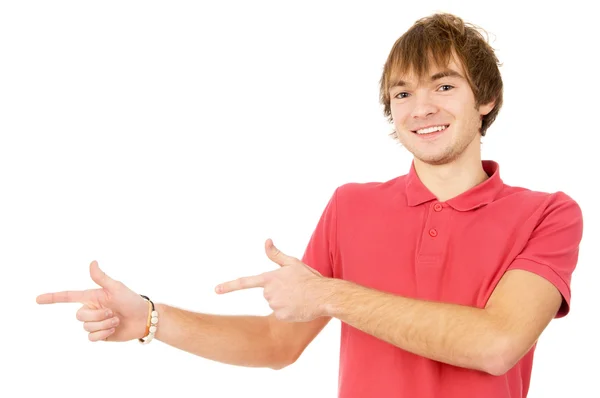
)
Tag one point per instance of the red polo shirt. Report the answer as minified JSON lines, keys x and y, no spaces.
{"x":396,"y":237}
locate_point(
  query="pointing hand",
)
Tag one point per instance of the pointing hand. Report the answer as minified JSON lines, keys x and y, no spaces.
{"x":112,"y":312}
{"x":294,"y":291}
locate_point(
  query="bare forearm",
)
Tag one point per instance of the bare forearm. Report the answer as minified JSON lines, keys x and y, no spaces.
{"x":458,"y":335}
{"x":235,"y":340}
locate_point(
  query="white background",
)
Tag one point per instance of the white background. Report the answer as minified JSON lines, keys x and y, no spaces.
{"x":169,"y":140}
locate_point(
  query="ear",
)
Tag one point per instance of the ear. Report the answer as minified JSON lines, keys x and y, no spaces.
{"x":484,"y":109}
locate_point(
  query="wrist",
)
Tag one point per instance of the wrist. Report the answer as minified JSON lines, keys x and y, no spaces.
{"x":144,"y":319}
{"x":151,"y":322}
{"x":329,"y":291}
{"x":161,"y":309}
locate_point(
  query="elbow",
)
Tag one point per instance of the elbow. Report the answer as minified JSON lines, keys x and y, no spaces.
{"x":281,"y":359}
{"x":278,"y":365}
{"x":285,"y":362}
{"x":287,"y":357}
{"x":281,"y":364}
{"x":500,"y":357}
{"x":495,"y":366}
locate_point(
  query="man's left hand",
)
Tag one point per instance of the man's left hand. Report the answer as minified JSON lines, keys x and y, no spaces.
{"x":294,"y":291}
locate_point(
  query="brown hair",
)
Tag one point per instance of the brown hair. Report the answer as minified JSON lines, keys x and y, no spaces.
{"x":438,"y":38}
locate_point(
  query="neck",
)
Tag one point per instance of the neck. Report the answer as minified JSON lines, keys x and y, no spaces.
{"x":452,"y":179}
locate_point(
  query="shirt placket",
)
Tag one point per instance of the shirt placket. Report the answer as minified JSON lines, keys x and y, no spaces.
{"x":431,"y":252}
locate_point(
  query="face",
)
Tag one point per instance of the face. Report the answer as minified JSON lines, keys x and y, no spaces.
{"x":443,"y":101}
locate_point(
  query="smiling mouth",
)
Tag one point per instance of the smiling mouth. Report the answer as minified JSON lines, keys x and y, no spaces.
{"x":431,"y":130}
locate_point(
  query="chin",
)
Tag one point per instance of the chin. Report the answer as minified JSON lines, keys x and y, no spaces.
{"x":436,"y":159}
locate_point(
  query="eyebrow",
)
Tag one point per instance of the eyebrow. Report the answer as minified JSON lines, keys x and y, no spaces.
{"x":437,"y":76}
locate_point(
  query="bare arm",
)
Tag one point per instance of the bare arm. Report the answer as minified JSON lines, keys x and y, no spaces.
{"x":490,"y":339}
{"x":116,"y":313}
{"x":251,"y":341}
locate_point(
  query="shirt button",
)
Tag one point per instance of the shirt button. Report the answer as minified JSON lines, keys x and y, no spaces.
{"x":432,"y":232}
{"x":437,"y":207}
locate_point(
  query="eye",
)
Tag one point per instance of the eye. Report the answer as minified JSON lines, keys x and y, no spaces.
{"x":447,"y":85}
{"x":399,"y":95}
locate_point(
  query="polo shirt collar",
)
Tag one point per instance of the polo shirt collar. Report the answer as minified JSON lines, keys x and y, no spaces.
{"x":480,"y":195}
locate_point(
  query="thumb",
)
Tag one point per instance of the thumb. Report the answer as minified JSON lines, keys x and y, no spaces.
{"x":100,"y":277}
{"x":276,"y":255}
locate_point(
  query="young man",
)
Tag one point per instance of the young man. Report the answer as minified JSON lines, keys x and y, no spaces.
{"x":443,"y":278}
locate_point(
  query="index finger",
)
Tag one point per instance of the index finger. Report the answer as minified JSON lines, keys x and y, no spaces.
{"x":68,"y":296}
{"x":247,"y":282}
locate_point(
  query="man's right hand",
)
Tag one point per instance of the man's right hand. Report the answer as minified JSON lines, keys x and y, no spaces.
{"x":113,"y":313}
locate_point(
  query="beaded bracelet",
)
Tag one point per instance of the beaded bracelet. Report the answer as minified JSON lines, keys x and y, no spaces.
{"x":151,"y":323}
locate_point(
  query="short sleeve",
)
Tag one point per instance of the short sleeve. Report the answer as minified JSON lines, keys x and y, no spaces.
{"x":320,"y":252}
{"x":553,"y":247}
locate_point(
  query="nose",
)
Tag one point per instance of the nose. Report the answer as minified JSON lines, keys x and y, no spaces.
{"x":423,"y":107}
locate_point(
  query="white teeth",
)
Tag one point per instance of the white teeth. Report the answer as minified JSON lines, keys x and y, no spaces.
{"x":431,"y":130}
